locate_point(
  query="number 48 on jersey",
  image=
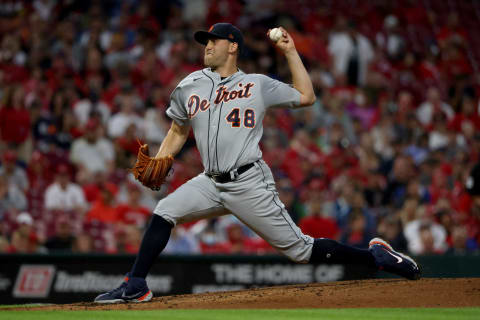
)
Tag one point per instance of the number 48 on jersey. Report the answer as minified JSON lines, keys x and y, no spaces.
{"x":235,"y":119}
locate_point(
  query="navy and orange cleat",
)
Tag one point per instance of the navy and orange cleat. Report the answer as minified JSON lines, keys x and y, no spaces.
{"x":392,"y":261}
{"x":131,"y":290}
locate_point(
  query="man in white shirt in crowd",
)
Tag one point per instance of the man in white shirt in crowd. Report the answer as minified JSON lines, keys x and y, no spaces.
{"x":119,"y":122}
{"x":351,"y":51}
{"x":433,"y":105}
{"x":64,"y":194}
{"x":92,"y":153}
{"x":92,"y":104}
{"x":424,"y":235}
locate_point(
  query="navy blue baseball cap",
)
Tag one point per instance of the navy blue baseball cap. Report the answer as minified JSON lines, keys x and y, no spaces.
{"x":220,"y":30}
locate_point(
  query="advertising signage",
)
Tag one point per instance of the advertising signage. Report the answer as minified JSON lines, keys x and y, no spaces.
{"x":66,"y":279}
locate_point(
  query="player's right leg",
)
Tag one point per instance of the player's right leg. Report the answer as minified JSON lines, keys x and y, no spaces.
{"x":253,"y":198}
{"x":261,"y":209}
{"x":194,"y":200}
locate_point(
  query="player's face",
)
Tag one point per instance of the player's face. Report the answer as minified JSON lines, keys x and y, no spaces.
{"x":216,"y":53}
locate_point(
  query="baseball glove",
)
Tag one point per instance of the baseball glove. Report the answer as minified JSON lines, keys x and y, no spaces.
{"x":150,"y":171}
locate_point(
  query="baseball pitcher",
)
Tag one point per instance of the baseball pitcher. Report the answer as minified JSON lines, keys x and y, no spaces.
{"x":225,"y":108}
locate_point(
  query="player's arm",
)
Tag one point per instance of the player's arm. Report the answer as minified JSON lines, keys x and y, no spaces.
{"x":174,"y":141}
{"x":301,"y":79}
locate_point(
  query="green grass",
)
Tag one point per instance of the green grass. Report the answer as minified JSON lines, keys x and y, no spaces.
{"x":324,"y":314}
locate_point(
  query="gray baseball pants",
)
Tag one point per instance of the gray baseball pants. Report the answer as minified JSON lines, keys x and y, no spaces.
{"x":252,"y":198}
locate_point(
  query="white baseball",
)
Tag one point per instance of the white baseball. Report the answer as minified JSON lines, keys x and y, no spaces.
{"x":275,"y":34}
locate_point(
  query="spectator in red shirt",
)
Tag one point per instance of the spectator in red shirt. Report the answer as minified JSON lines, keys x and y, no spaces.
{"x":302,"y":153}
{"x":439,"y":187}
{"x":428,"y":70}
{"x":229,"y":10}
{"x":127,"y":145}
{"x":186,"y":170}
{"x":356,"y":233}
{"x":93,"y":189}
{"x":12,"y":58}
{"x":455,"y":63}
{"x":238,"y":243}
{"x":316,"y":224}
{"x":14,"y":117}
{"x":144,"y":19}
{"x":467,"y":120}
{"x":452,"y":33}
{"x":132,"y":212}
{"x":413,"y":12}
{"x":104,"y":208}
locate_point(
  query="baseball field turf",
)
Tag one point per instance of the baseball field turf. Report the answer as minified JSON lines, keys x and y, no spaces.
{"x":325,"y":314}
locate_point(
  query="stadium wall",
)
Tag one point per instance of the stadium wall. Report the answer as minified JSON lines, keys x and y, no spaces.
{"x":76,"y":278}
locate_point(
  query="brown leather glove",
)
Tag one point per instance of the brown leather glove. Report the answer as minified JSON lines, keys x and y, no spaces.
{"x":151,"y":172}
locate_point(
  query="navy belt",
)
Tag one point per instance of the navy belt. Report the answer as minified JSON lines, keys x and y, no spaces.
{"x":231,"y":175}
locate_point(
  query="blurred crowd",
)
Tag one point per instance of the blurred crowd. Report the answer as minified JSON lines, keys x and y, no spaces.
{"x":385,"y":151}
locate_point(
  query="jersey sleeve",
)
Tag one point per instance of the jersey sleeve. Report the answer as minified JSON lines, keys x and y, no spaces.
{"x":176,"y":110}
{"x":278,"y":94}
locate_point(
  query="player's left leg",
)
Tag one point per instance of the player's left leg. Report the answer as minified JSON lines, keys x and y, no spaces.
{"x":254,"y":200}
{"x":154,"y":241}
{"x":196,"y":199}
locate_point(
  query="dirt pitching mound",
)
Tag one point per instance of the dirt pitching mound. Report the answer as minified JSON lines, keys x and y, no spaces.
{"x":463,"y":292}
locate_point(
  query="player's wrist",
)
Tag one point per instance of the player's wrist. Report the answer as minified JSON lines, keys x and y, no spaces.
{"x":291,"y":53}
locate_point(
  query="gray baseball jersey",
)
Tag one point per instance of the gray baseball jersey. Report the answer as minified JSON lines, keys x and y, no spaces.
{"x":226,"y":116}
